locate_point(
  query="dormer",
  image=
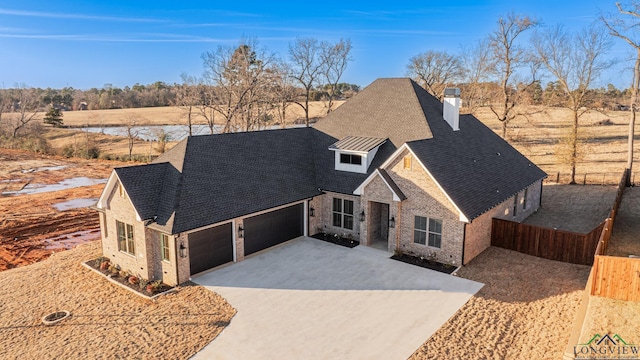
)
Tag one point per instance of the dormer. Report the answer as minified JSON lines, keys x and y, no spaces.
{"x":355,"y":153}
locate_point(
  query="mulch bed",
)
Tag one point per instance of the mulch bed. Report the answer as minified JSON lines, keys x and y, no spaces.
{"x":128,"y":280}
{"x":425,"y":263}
{"x":350,"y":243}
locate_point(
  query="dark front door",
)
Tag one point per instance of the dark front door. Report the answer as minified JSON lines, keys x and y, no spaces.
{"x":272,"y":228}
{"x":210,"y":248}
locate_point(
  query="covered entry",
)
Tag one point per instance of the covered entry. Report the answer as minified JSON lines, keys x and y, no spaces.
{"x":378,"y":227}
{"x":272,"y":228}
{"x":210,"y":247}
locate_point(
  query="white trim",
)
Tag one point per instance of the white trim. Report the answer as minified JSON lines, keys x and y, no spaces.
{"x":108,"y":189}
{"x":393,"y":156}
{"x":360,"y":189}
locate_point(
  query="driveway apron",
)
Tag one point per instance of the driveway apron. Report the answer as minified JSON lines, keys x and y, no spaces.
{"x":308,"y":299}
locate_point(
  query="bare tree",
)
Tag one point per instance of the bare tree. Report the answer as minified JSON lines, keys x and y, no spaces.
{"x":435,"y":70}
{"x":477,"y":63}
{"x":24,"y":107}
{"x":307,"y":67}
{"x":508,"y":57}
{"x":187,"y":98}
{"x":131,"y":132}
{"x":334,"y":59}
{"x":235,"y":79}
{"x":627,"y":29}
{"x":575,"y":61}
{"x":283,"y":90}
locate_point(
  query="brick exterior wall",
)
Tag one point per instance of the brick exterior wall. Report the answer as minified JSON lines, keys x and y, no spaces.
{"x":377,"y":191}
{"x":424,"y":198}
{"x":316,"y":222}
{"x":120,"y":209}
{"x":478,"y":232}
{"x":326,"y":210}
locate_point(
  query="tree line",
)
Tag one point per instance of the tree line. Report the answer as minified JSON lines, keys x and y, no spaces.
{"x":506,"y":70}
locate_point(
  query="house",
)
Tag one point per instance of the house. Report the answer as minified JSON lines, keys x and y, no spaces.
{"x":392,"y":167}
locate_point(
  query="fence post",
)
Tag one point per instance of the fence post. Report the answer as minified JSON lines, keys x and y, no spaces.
{"x":584,"y":181}
{"x":558,"y":178}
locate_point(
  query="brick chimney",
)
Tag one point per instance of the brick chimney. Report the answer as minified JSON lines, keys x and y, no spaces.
{"x":451,"y":107}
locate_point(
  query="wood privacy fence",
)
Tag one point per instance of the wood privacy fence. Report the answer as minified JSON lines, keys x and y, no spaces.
{"x":611,"y":276}
{"x":546,"y":243}
{"x":589,"y":178}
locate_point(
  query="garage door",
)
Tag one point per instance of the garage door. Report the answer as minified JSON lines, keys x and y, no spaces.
{"x":210,"y":248}
{"x":272,"y":228}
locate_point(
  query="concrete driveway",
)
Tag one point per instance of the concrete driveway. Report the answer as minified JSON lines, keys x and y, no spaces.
{"x":308,"y":299}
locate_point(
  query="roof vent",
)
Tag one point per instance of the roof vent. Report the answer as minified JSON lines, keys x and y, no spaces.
{"x":451,"y":107}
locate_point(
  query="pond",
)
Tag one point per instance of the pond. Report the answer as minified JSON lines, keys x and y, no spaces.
{"x":175,"y":132}
{"x":62,"y":185}
{"x":75,"y":204}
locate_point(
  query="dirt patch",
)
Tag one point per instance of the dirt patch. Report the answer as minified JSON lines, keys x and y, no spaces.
{"x":609,"y":316}
{"x":524,"y":311}
{"x":28,"y":221}
{"x":625,"y":239}
{"x":106,"y":320}
{"x":574,"y":208}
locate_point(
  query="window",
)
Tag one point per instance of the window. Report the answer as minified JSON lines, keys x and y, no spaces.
{"x":427,"y":231}
{"x":164,"y":244}
{"x":515,"y":204}
{"x":351,"y":159}
{"x":125,"y":238}
{"x":343,"y":213}
{"x":407,"y":162}
{"x":524,"y":199}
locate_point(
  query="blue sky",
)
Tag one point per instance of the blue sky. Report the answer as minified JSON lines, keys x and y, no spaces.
{"x":88,"y":44}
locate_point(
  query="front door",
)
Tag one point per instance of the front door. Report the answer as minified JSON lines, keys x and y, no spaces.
{"x":378,"y":226}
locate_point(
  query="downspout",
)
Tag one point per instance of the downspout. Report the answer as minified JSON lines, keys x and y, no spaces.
{"x":540,"y":200}
{"x":464,"y":241}
{"x":176,"y":255}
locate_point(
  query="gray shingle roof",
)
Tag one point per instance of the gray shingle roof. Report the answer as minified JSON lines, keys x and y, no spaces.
{"x":143,"y":184}
{"x":357,"y":143}
{"x":475,"y":166}
{"x":396,"y":189}
{"x":229,"y":175}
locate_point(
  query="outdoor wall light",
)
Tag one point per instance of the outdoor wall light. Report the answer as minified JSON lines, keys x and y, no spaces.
{"x":312,"y":212}
{"x":362,"y":215}
{"x":183,"y":250}
{"x":240,"y":231}
{"x":392,"y":222}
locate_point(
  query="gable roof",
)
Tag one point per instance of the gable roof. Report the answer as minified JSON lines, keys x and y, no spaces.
{"x":143,"y":185}
{"x":475,"y":167}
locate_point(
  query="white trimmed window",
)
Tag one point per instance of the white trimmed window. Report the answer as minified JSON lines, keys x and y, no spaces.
{"x":164,"y":244}
{"x":427,"y":231}
{"x":343,"y":213}
{"x":350,"y":159}
{"x":125,"y":238}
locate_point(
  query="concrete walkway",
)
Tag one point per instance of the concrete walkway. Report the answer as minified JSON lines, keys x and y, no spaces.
{"x":308,"y":299}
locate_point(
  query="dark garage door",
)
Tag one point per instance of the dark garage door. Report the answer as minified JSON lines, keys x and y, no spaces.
{"x":272,"y":228}
{"x":210,"y":248}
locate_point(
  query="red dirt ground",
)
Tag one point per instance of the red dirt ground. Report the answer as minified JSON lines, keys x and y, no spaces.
{"x":27,"y":221}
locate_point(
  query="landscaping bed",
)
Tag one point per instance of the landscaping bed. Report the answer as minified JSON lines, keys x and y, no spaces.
{"x":424,"y":262}
{"x":337,"y":239}
{"x":133,"y":282}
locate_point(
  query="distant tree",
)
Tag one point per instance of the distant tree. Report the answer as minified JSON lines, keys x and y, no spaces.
{"x":53,"y":117}
{"x":476,"y":62}
{"x":575,"y":61}
{"x":284,"y":92}
{"x":237,"y":82}
{"x":188,"y":98}
{"x":435,"y":70}
{"x":626,"y":29}
{"x":131,"y":132}
{"x":507,"y":57}
{"x":24,"y":107}
{"x":334,"y":59}
{"x":306,"y":64}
